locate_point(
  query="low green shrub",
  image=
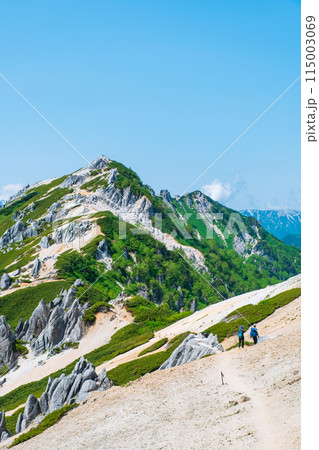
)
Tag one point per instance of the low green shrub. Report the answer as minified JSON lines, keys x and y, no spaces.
{"x":47,"y":422}
{"x":122,"y":341}
{"x":250,"y":314}
{"x":155,"y":317}
{"x":65,"y":346}
{"x":153,"y":347}
{"x":132,"y":370}
{"x":3,"y":370}
{"x":18,"y":347}
{"x":89,"y":315}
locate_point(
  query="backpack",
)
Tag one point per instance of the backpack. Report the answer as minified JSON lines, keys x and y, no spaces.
{"x":240,"y":334}
{"x":253,"y":332}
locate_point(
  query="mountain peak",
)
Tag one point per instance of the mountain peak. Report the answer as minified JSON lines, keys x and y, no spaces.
{"x":100,"y":162}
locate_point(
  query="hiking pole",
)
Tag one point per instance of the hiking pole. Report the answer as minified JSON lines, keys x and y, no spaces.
{"x":222,"y":377}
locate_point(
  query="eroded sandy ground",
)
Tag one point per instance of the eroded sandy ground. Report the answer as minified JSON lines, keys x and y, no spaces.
{"x":187,"y":407}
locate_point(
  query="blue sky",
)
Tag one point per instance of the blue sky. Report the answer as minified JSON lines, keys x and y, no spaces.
{"x":162,"y":86}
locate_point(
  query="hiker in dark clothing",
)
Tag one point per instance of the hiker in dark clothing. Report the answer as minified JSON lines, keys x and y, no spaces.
{"x":254,"y":334}
{"x":241,"y":336}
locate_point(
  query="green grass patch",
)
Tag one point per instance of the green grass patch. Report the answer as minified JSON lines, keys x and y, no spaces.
{"x":89,"y":315}
{"x":252,"y":314}
{"x":65,"y":346}
{"x":3,"y":370}
{"x":153,"y":347}
{"x":21,"y":303}
{"x":47,"y":422}
{"x":18,"y":347}
{"x":122,"y":341}
{"x":42,"y":205}
{"x":132,"y":370}
{"x":12,"y":207}
{"x":96,"y":183}
{"x":31,"y":195}
{"x":155,"y":317}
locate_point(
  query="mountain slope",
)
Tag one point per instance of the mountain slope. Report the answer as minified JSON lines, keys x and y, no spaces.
{"x":260,"y":409}
{"x":74,"y":226}
{"x":101,"y":226}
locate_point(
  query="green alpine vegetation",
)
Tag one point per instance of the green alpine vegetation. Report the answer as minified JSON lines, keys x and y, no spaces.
{"x":153,"y":347}
{"x":143,"y":264}
{"x":130,"y":371}
{"x":155,"y":317}
{"x":169,"y":280}
{"x":47,"y":422}
{"x":252,"y":314}
{"x":21,"y":303}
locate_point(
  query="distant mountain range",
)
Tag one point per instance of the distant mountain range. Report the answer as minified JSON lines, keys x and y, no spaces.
{"x":285,"y":225}
{"x":2,"y":203}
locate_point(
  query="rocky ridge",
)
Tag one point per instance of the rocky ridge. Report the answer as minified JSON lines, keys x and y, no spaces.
{"x":65,"y":389}
{"x":49,"y":326}
{"x":54,"y":324}
{"x":192,"y":348}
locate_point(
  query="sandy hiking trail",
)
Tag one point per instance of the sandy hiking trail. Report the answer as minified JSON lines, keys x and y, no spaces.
{"x":201,"y":320}
{"x":101,"y":332}
{"x":187,"y":407}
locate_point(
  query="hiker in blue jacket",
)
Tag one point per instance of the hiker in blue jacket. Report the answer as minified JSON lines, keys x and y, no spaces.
{"x":254,"y":333}
{"x":241,"y":336}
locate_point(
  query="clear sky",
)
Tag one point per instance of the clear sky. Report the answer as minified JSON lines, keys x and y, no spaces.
{"x":162,"y":86}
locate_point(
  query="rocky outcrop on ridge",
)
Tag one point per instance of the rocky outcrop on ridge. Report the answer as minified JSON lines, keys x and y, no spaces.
{"x":64,"y":389}
{"x":51,"y":325}
{"x":130,"y":207}
{"x":166,"y":196}
{"x":5,"y":281}
{"x":6,"y":343}
{"x":193,"y":347}
{"x":53,"y":214}
{"x":71,"y":231}
{"x":44,"y":243}
{"x":18,"y":232}
{"x":4,"y":433}
{"x":101,"y":162}
{"x":31,"y":411}
{"x":102,"y":251}
{"x":36,"y":268}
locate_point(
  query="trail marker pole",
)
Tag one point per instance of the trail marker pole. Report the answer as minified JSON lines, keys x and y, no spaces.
{"x":222,"y":377}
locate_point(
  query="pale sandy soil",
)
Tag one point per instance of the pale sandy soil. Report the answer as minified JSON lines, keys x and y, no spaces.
{"x":187,"y":407}
{"x":97,"y":335}
{"x":199,"y":321}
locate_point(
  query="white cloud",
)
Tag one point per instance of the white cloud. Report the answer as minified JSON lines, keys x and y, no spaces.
{"x":218,"y":191}
{"x":8,"y":190}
